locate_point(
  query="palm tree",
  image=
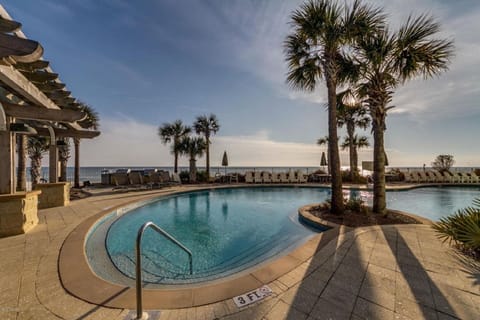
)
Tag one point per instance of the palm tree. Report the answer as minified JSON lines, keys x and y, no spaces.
{"x":207,"y":126}
{"x":324,"y":142}
{"x":351,"y":114}
{"x":63,"y":156}
{"x":321,"y":29}
{"x":388,"y":60}
{"x":174,"y":132}
{"x":353,"y":144}
{"x":36,"y":147}
{"x":91,"y":121}
{"x":192,"y":147}
{"x":22,"y":165}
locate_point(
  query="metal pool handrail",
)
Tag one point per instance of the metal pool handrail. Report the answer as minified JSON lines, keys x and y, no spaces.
{"x":138,"y":268}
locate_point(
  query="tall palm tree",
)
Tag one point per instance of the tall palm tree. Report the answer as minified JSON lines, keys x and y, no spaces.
{"x":321,"y":29}
{"x":91,"y":121}
{"x":353,"y":144}
{"x":351,"y":114}
{"x":22,"y":165}
{"x":63,"y":156}
{"x":207,"y":126}
{"x":388,"y":60}
{"x":174,"y":132}
{"x":36,"y":147}
{"x":193,"y":147}
{"x":324,"y":142}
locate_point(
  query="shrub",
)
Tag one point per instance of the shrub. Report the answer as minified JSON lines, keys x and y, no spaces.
{"x":462,"y":228}
{"x":354,"y":204}
{"x":184,"y":176}
{"x":477,"y":172}
{"x":202,"y":176}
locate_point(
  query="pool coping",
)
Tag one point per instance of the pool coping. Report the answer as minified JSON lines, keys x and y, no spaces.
{"x":79,"y":280}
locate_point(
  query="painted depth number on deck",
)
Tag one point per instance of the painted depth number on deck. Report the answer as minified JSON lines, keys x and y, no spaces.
{"x":252,"y":296}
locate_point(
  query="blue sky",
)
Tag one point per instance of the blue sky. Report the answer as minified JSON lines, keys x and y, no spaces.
{"x":143,"y":63}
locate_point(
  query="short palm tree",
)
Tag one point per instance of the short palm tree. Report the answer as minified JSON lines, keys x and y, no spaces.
{"x":351,"y":114}
{"x":63,"y":156}
{"x":321,"y":29}
{"x":174,"y":132}
{"x":387,"y":60}
{"x":36,"y":147}
{"x":91,"y":121}
{"x":192,"y":147}
{"x":207,"y":126}
{"x":353,"y":144}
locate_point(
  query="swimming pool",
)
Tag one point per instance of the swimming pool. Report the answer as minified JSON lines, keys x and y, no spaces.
{"x":230,"y":230}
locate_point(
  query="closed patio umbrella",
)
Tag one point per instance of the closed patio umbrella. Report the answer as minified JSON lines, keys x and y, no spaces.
{"x":323,"y":160}
{"x":386,"y":159}
{"x":225,"y":161}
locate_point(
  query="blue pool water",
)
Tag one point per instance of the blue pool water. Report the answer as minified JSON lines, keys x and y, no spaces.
{"x":230,"y":230}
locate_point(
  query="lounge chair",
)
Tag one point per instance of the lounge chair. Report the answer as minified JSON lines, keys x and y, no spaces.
{"x":447,"y":177}
{"x":408,"y":176}
{"x":257,"y":177}
{"x":283,"y":177}
{"x":249,"y":177}
{"x":275,"y":178}
{"x":120,"y":180}
{"x":457,"y":178}
{"x":423,"y":176}
{"x":465,"y":177}
{"x":292,"y":177}
{"x":175,"y":178}
{"x":474,"y":178}
{"x":302,"y":178}
{"x":266,"y":177}
{"x":439,"y":177}
{"x":414,"y":177}
{"x":431,"y":176}
{"x":136,"y":178}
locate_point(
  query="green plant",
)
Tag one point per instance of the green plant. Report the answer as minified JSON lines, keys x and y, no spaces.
{"x":354,"y":204}
{"x":184,"y":176}
{"x":477,"y":172}
{"x":443,"y":162}
{"x":462,"y":228}
{"x":202,"y":176}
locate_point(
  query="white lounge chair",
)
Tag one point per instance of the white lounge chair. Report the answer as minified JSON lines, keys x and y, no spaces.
{"x":447,"y":177}
{"x":292,"y":177}
{"x":457,"y":178}
{"x":283,"y":177}
{"x":431,"y":176}
{"x":408,"y":176}
{"x":414,"y":176}
{"x":266,"y":177}
{"x":302,"y":178}
{"x":439,"y":177}
{"x":249,"y":177}
{"x":423,"y":176}
{"x":275,"y":178}
{"x":474,"y":178}
{"x":257,"y":177}
{"x":465,"y":177}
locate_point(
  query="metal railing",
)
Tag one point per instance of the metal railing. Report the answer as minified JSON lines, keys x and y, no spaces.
{"x":138,"y":268}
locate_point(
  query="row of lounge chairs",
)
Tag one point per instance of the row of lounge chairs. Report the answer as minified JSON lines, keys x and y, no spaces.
{"x":143,"y":179}
{"x":437,"y":177}
{"x":280,"y":177}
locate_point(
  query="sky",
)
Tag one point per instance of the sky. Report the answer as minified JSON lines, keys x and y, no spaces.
{"x":144,"y":63}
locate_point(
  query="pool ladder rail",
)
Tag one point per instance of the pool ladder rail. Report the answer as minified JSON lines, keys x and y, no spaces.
{"x":138,"y":267}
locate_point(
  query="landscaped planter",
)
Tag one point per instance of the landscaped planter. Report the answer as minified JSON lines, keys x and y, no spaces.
{"x":53,"y":194}
{"x":18,"y":212}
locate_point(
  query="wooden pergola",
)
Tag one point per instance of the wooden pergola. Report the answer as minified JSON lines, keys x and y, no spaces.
{"x":32,"y":95}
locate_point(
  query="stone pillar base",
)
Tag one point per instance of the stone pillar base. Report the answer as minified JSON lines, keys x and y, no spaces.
{"x":18,"y":212}
{"x":53,"y":194}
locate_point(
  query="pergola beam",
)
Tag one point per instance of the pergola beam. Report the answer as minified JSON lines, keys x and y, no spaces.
{"x":67,"y":133}
{"x":38,"y":113}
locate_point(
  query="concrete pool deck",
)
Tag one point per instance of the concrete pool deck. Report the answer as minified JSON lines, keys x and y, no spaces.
{"x":387,"y":272}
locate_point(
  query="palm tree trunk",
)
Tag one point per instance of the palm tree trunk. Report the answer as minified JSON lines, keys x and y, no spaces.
{"x":379,"y":195}
{"x":63,"y":170}
{"x":207,"y":150}
{"x":355,"y":159}
{"x":22,"y":163}
{"x":351,"y":150}
{"x":175,"y":168}
{"x":193,"y":171}
{"x":334,"y":156}
{"x":35,"y":168}
{"x":76,"y":178}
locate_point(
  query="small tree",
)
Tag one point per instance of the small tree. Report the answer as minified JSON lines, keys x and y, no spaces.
{"x":443,"y":162}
